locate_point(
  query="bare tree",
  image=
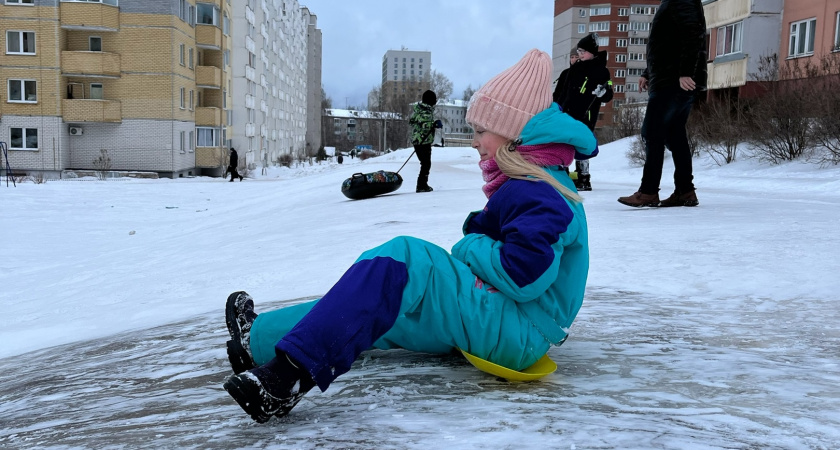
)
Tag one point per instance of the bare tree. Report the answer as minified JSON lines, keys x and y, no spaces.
{"x":468,"y":93}
{"x":826,"y":124}
{"x":780,"y":120}
{"x":375,"y":99}
{"x":719,"y":127}
{"x":441,"y":85}
{"x":326,"y":101}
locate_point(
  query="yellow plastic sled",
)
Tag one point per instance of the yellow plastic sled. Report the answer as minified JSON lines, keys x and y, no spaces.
{"x":538,"y":370}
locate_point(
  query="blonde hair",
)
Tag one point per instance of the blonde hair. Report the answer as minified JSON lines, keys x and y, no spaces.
{"x":514,"y":165}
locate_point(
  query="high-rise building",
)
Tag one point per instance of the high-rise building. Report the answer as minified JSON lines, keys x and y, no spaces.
{"x":114,"y":84}
{"x":270,"y":78}
{"x":406,"y":74}
{"x":623,"y":28}
{"x":313,"y":85}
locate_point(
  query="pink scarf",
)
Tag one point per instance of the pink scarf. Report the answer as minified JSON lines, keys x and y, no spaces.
{"x":543,"y":155}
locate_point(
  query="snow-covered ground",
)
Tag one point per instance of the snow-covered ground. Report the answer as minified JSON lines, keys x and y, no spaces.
{"x":707,"y":327}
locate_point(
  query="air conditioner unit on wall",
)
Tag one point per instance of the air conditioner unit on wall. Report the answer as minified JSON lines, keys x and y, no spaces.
{"x":76,"y":131}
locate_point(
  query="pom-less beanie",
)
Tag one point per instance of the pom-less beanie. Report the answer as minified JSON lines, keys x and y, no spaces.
{"x":510,"y":99}
{"x":429,"y":98}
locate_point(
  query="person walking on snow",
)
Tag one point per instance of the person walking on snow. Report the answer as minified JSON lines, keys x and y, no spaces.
{"x":233,"y":164}
{"x":507,"y":292}
{"x":580,"y":91}
{"x":675,"y":73}
{"x":423,"y":125}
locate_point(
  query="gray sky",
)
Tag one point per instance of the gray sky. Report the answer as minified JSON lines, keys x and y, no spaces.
{"x":470,"y":40}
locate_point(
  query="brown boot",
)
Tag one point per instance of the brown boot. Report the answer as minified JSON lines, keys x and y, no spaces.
{"x":638,"y":200}
{"x":677,"y":199}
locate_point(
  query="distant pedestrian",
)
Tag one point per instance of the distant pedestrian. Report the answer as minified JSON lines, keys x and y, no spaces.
{"x":232,"y":165}
{"x":580,"y":91}
{"x":676,"y":71}
{"x":423,"y":125}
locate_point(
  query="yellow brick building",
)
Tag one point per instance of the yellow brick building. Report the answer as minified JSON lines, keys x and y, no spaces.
{"x":134,"y":85}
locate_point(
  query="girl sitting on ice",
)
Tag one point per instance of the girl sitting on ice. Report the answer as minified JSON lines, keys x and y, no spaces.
{"x":509,"y":290}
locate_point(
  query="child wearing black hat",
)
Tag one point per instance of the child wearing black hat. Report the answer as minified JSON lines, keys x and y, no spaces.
{"x":423,"y":134}
{"x":580,"y":91}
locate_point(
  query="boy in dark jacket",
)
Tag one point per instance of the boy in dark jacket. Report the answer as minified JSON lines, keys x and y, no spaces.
{"x":580,"y":91}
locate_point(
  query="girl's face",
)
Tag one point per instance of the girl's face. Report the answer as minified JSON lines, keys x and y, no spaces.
{"x":486,"y":143}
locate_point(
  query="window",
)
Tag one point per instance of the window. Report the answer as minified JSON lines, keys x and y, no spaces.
{"x":95,"y":43}
{"x":582,"y":13}
{"x":181,"y":55}
{"x":192,"y":140}
{"x":640,"y":26}
{"x":802,"y":37}
{"x":226,"y":25}
{"x":96,"y":91}
{"x":635,"y":72}
{"x":621,"y":57}
{"x":638,"y":41}
{"x":599,"y":11}
{"x":729,"y":39}
{"x":623,"y":12}
{"x":620,"y":43}
{"x":20,"y":2}
{"x":618,"y":88}
{"x":581,"y":28}
{"x":20,"y":42}
{"x":227,"y":58}
{"x":104,"y":2}
{"x":837,"y":32}
{"x":620,"y":73}
{"x":622,"y":26}
{"x":207,"y":137}
{"x":23,"y":91}
{"x":603,"y":41}
{"x":632,"y":87}
{"x":23,"y":138}
{"x":207,"y":14}
{"x":183,"y":144}
{"x":599,"y":26}
{"x":183,"y":102}
{"x":191,"y":99}
{"x":191,"y":58}
{"x":643,"y":10}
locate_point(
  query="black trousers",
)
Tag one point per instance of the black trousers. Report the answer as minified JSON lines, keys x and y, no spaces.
{"x":233,"y":173}
{"x":424,"y":154}
{"x":664,"y":125}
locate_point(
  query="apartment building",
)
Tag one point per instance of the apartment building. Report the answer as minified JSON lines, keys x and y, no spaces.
{"x":741,"y":33}
{"x":406,"y":74}
{"x":344,"y":129}
{"x":810,"y":30}
{"x":453,"y":116}
{"x":127,"y":85}
{"x":623,"y":29}
{"x":270,"y":63}
{"x":313,"y":83}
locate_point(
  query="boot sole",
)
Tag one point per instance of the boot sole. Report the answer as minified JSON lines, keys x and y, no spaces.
{"x":689,"y":204}
{"x":245,"y":392}
{"x":642,"y":205}
{"x":239,"y":358}
{"x":248,"y":394}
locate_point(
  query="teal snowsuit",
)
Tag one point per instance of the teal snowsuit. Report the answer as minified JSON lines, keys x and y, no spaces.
{"x":509,"y":290}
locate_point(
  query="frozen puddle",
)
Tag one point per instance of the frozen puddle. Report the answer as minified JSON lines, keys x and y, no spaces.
{"x":637,"y":372}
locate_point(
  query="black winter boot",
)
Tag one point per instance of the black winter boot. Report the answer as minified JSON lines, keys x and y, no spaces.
{"x":239,"y":316}
{"x":584,"y":182}
{"x":272,"y":389}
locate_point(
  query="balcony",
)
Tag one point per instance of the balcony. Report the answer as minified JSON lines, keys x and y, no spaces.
{"x":208,"y":77}
{"x":91,"y":110}
{"x":726,"y":11}
{"x":208,"y":37}
{"x":89,"y":16}
{"x":90,"y":64}
{"x":208,"y":117}
{"x":727,"y":74}
{"x":209,"y":157}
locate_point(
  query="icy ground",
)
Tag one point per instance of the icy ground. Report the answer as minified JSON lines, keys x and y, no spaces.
{"x":708,"y":327}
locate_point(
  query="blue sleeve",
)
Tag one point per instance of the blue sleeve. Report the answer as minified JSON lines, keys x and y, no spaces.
{"x":524,"y":261}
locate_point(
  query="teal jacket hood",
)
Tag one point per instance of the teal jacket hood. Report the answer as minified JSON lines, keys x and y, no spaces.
{"x":553,"y":126}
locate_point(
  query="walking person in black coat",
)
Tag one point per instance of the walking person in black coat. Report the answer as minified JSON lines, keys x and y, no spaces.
{"x":232,"y":165}
{"x":675,"y":74}
{"x":580,"y":91}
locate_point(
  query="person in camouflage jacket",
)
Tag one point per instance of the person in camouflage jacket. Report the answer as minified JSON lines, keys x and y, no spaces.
{"x":423,"y":126}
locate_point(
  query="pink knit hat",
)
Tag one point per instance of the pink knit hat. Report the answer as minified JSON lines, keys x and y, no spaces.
{"x":510,"y":99}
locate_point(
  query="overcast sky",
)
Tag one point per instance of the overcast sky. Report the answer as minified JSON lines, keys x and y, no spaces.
{"x":470,"y":40}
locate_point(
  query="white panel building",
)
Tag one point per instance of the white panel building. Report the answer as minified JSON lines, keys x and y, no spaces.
{"x":270,"y":82}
